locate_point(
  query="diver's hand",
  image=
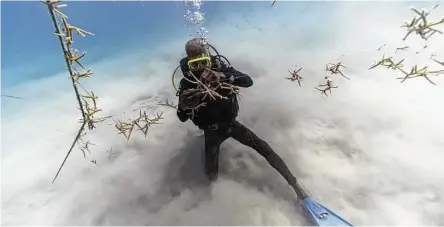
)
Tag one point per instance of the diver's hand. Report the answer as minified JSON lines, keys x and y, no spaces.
{"x":229,"y":79}
{"x":213,"y":76}
{"x":189,"y":99}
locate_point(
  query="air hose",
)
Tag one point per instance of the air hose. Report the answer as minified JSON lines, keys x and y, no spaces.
{"x":172,"y":78}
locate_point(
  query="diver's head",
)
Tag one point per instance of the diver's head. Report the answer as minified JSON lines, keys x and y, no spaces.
{"x":198,"y":54}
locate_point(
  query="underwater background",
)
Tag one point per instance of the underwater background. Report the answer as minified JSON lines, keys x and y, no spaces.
{"x":372,"y":150}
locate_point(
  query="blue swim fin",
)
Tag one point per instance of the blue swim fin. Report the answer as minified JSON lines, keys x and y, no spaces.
{"x":319,"y":215}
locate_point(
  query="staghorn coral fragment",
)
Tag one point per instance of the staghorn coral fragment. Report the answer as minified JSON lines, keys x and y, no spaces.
{"x":423,"y":72}
{"x":295,"y":76}
{"x":168,"y":104}
{"x":334,"y":68}
{"x":422,"y":26}
{"x":441,"y":63}
{"x":383,"y":62}
{"x":328,"y":86}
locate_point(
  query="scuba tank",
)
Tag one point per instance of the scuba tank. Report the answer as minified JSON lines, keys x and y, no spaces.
{"x":219,"y":59}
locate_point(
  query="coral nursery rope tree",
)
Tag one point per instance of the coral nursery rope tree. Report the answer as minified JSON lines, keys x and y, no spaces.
{"x":87,"y":100}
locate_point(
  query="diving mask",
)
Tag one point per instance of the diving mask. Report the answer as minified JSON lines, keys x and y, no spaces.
{"x":199,"y":63}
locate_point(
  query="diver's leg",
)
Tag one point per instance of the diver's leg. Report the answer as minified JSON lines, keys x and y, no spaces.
{"x":213,"y":140}
{"x":245,"y":136}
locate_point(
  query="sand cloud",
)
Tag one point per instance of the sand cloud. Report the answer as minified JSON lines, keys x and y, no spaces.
{"x":371,"y":151}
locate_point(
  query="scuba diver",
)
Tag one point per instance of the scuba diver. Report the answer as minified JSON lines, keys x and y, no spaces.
{"x":217,"y":118}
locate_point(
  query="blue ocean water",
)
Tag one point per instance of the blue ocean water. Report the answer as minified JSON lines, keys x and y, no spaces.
{"x":30,"y":50}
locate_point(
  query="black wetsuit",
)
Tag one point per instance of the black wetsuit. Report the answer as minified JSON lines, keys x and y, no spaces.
{"x":218,"y":120}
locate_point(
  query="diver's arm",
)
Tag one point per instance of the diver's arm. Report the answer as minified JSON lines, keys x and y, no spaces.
{"x":236,"y":77}
{"x":182,"y":115}
{"x":180,"y":112}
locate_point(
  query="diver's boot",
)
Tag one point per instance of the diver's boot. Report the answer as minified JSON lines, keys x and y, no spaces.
{"x":300,"y":192}
{"x":212,"y":176}
{"x":211,"y":169}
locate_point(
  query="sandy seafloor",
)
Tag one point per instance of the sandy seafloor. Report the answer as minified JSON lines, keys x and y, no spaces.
{"x":372,"y":151}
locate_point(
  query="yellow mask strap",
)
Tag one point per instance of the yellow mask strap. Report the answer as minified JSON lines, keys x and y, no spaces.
{"x":203,"y":58}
